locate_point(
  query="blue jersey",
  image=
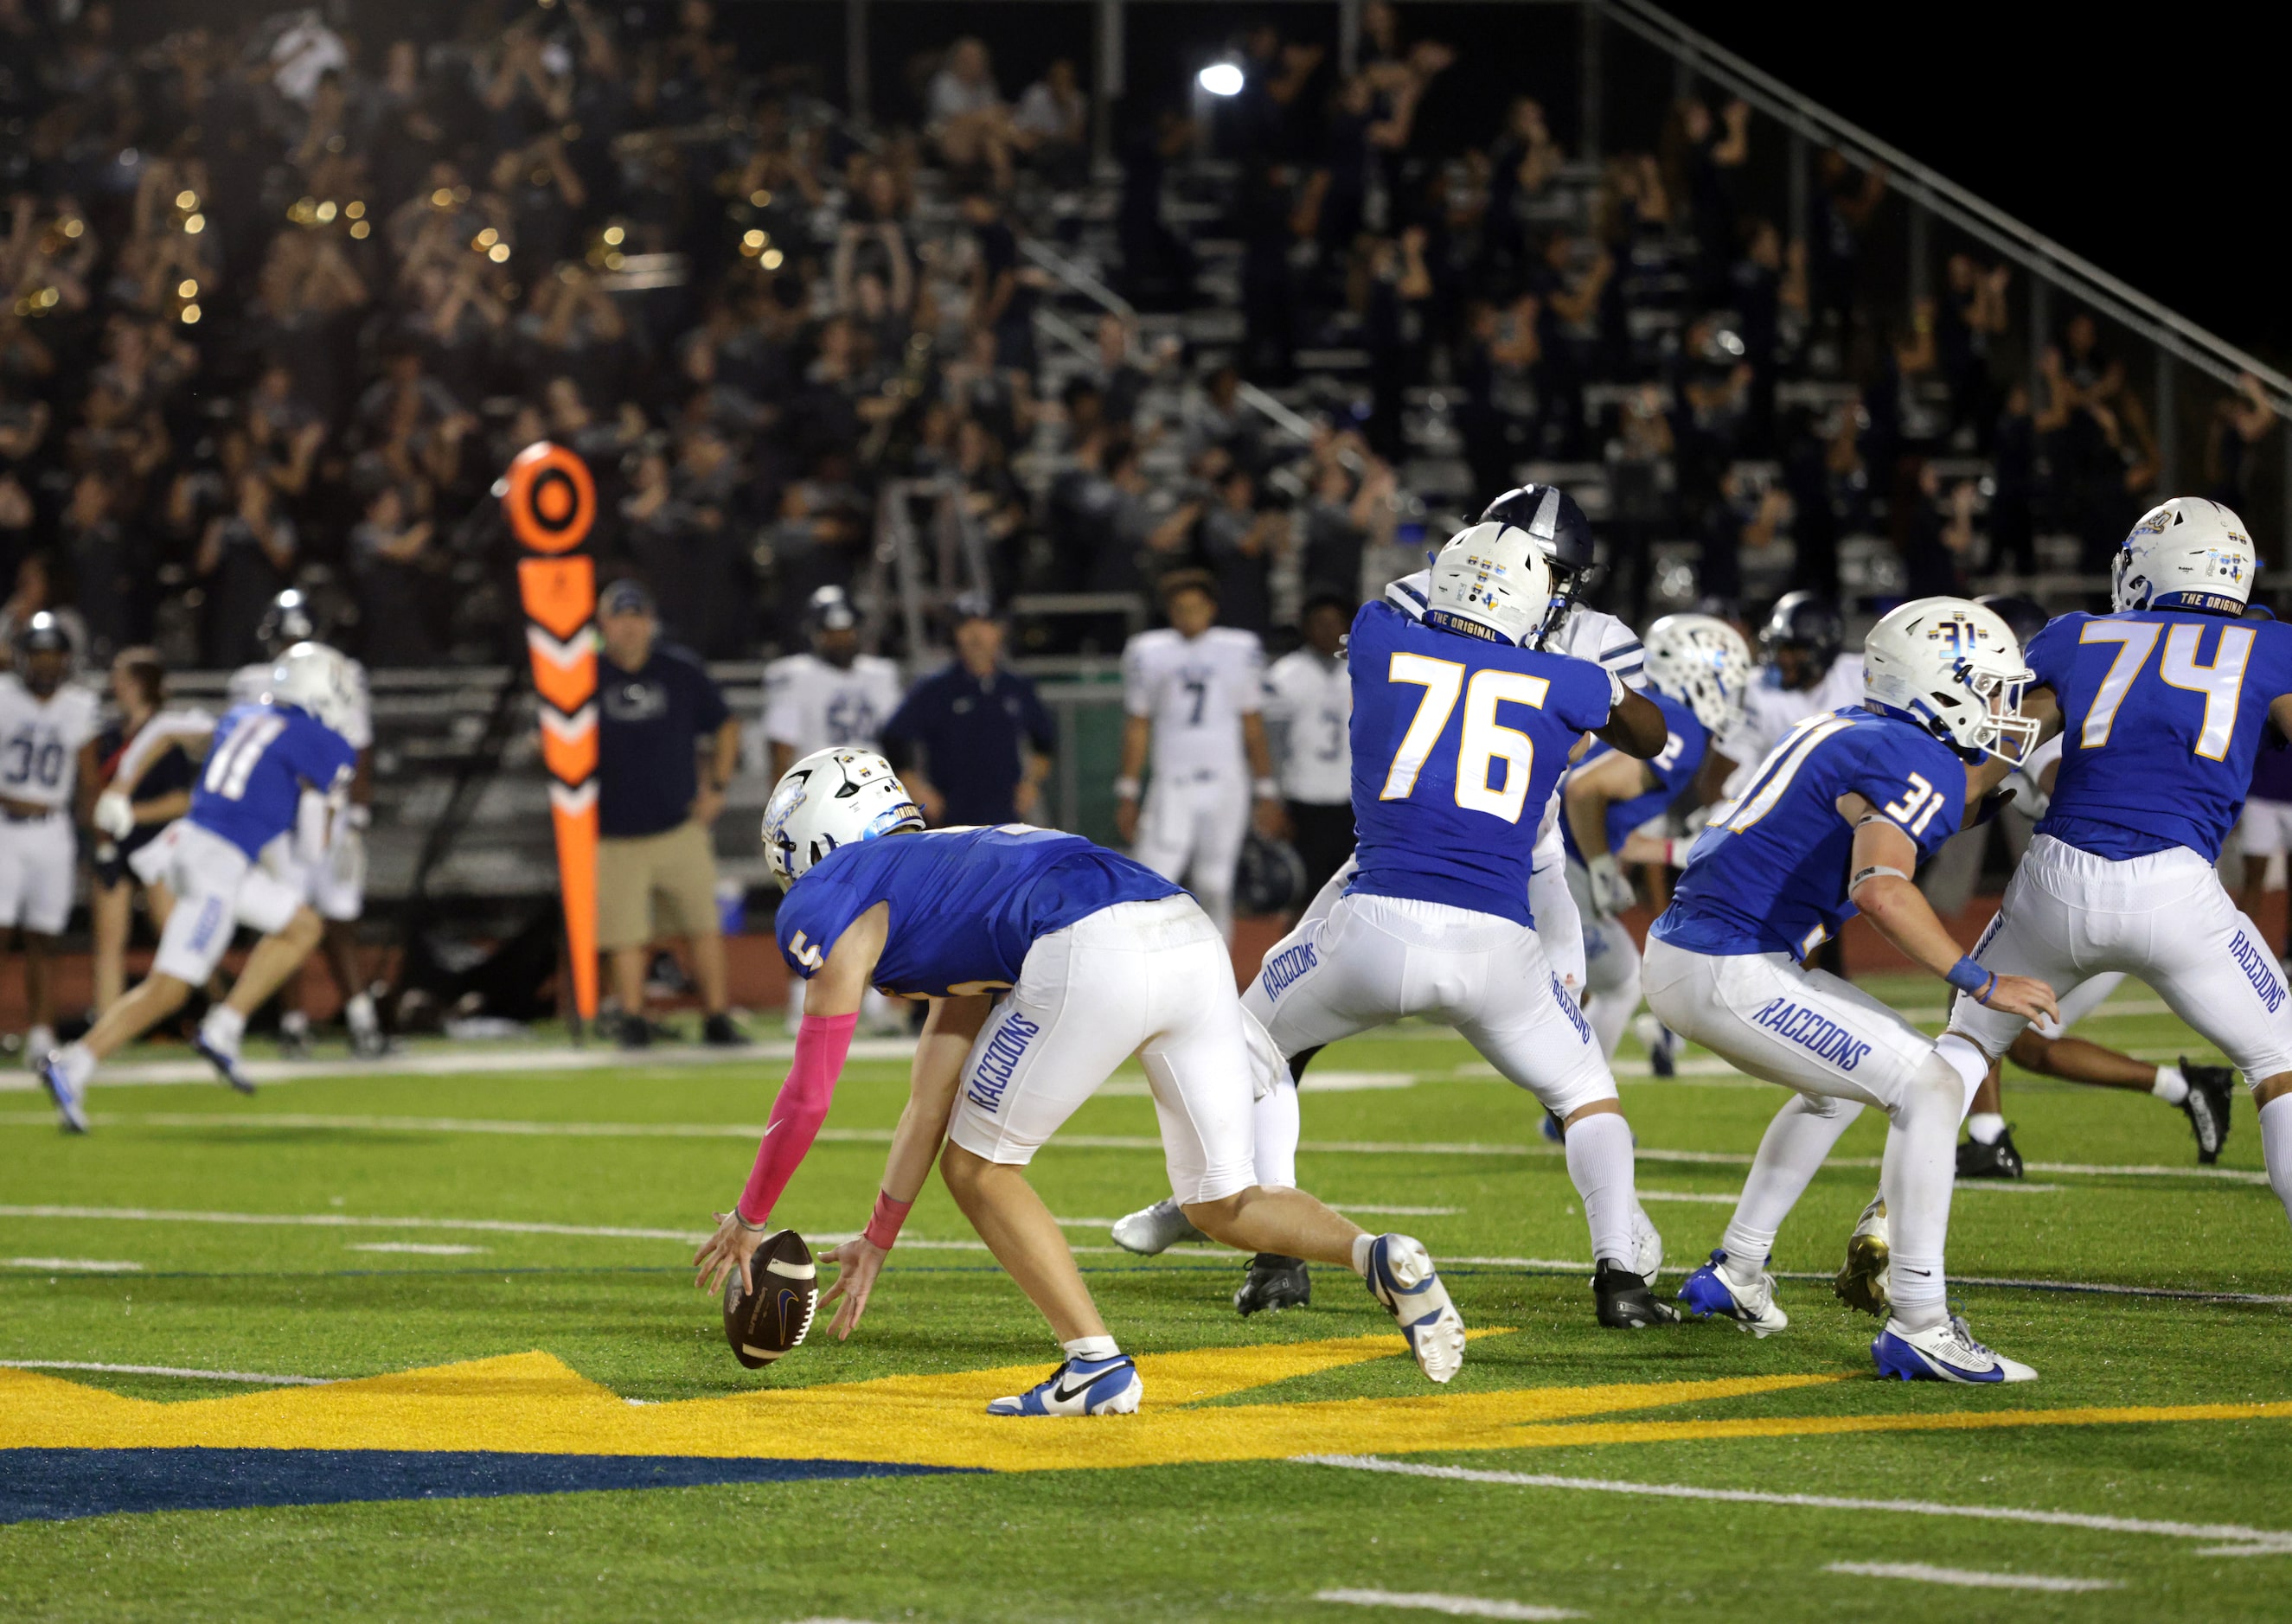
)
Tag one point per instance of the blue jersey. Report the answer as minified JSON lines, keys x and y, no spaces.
{"x":966,"y":904}
{"x":1685,"y":739}
{"x":1768,"y":873}
{"x":2162,"y":714}
{"x":1456,"y":744}
{"x":260,"y":759}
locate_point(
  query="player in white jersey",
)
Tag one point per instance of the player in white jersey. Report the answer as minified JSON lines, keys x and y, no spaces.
{"x":1192,"y":698}
{"x":323,"y":857}
{"x":44,"y":722}
{"x":1309,"y":701}
{"x":833,"y":694}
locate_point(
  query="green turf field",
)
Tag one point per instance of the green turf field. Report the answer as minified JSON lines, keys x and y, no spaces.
{"x":1508,"y":1491}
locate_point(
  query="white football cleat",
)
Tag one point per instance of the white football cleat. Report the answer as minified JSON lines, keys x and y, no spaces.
{"x":1153,"y":1230}
{"x":1401,"y":1276}
{"x":39,"y":1044}
{"x":1079,"y":1387}
{"x":1648,"y":1240}
{"x":69,"y":1094}
{"x":1946,"y":1352}
{"x":1861,"y":1282}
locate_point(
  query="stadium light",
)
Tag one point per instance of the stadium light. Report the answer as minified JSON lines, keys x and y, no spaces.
{"x":1220,"y":79}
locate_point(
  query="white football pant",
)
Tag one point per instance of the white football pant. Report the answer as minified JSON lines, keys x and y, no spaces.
{"x":1189,"y":831}
{"x":37,"y":859}
{"x":217,"y":889}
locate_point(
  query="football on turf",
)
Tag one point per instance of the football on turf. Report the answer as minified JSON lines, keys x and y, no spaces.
{"x":764,"y":1323}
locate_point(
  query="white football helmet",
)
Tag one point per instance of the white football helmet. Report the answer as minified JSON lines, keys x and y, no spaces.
{"x":2186,"y":553}
{"x":1703,"y":663}
{"x":315,"y":677}
{"x":832,"y":798}
{"x":1952,"y":667}
{"x":1492,"y":580}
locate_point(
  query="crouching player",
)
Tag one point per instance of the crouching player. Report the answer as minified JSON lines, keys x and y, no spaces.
{"x":1095,"y":958}
{"x":1837,"y":817}
{"x":1697,"y":670}
{"x":249,"y":792}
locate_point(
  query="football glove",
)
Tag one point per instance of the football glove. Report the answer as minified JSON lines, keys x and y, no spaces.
{"x":114,"y":815}
{"x":1611,"y":889}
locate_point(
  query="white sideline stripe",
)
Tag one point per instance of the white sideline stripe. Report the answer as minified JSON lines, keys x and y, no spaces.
{"x":465,"y":1060}
{"x":82,"y":1265}
{"x":1694,"y":1195}
{"x":1999,"y":1185}
{"x":423,"y":1248}
{"x":2243,"y":1540}
{"x":1926,"y":1573}
{"x":1454,"y":1606}
{"x":166,"y":1370}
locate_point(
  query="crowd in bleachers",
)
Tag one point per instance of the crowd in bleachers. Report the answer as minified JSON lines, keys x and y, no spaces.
{"x":278,"y":303}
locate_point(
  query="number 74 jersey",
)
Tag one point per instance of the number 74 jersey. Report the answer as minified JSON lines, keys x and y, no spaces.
{"x":2163,"y":711}
{"x":1456,"y":744}
{"x":40,"y":741}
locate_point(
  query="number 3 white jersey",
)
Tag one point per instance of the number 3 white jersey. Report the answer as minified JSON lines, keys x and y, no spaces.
{"x":1769,"y":712}
{"x":811,"y":704}
{"x":1195,"y":693}
{"x":249,"y":683}
{"x":40,"y":741}
{"x":1313,"y":698}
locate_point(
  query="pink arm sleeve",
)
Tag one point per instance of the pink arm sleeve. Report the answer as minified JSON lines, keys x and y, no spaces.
{"x":821,"y":1044}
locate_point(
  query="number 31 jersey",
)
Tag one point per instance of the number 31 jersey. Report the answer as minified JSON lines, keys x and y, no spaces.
{"x":2162,"y":714}
{"x":40,"y":741}
{"x":1768,"y":873}
{"x":1457,"y":745}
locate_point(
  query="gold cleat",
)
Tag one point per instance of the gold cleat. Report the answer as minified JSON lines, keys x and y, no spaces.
{"x":1861,"y":1282}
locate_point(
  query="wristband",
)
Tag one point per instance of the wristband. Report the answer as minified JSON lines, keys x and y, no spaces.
{"x":741,"y":1219}
{"x":1675,"y":852}
{"x":1126,"y":788}
{"x":1969,"y":977}
{"x":884,"y":1224}
{"x":1266,"y":789}
{"x":358,"y":817}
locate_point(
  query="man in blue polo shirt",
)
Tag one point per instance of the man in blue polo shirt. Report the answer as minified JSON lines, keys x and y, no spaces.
{"x":986,"y":739}
{"x":659,"y":713}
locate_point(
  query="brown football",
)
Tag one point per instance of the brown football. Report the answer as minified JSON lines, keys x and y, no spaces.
{"x":764,"y":1323}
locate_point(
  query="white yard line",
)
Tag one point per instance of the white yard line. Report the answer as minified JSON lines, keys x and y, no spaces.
{"x":1968,"y":1577}
{"x":2235,"y":1538}
{"x":166,"y":1370}
{"x":1454,"y":1606}
{"x":77,"y":1266}
{"x":420,"y":1248}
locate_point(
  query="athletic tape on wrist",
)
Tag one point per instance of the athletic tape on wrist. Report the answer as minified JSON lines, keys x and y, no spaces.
{"x":884,"y":1224}
{"x":1967,"y":976}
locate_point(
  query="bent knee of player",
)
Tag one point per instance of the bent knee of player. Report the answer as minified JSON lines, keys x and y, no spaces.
{"x":2272,"y":1087}
{"x":1598,"y":1108}
{"x":305,"y":929}
{"x":1219,"y":1219}
{"x":2031,"y":1052}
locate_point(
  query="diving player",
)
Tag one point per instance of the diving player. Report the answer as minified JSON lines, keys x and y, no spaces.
{"x":323,"y":855}
{"x":1460,"y":729}
{"x":44,"y":722}
{"x":2162,"y":704}
{"x":1193,"y":695}
{"x":1097,"y":958}
{"x":1696,"y":670}
{"x":248,"y":795}
{"x":1836,"y":819}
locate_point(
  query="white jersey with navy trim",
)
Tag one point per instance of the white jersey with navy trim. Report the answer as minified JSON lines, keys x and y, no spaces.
{"x":249,"y":683}
{"x":1195,"y":691}
{"x":1588,"y":633}
{"x":811,"y":704}
{"x":1311,"y":697}
{"x":40,"y":741}
{"x":1769,"y":710}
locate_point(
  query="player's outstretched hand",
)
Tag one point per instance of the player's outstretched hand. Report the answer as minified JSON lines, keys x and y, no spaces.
{"x":857,"y":1261}
{"x":726,"y":1252}
{"x":2025,"y":996}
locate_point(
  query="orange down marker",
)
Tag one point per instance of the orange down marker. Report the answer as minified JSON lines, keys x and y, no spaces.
{"x":551,"y":502}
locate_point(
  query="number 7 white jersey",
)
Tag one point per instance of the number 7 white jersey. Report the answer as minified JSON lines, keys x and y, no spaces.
{"x":40,"y":741}
{"x":1195,"y":692}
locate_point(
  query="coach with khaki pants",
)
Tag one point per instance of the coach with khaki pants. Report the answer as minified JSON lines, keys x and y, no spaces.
{"x":667,"y":747}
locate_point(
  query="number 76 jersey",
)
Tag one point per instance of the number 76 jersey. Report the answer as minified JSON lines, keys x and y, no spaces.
{"x":1456,"y":744}
{"x":2162,"y":714}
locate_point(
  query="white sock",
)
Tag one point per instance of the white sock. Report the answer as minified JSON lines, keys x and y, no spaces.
{"x":2275,"y":1144}
{"x":1986,"y":1127}
{"x":1963,"y":1056}
{"x":293,"y":1021}
{"x":223,"y":1027}
{"x":2170,"y":1086}
{"x":1611,"y":1015}
{"x":1920,"y":1170}
{"x":1363,"y":1242}
{"x":78,"y":1063}
{"x":1091,"y":1347}
{"x":1790,"y":1155}
{"x":360,"y":1013}
{"x":1600,"y":1161}
{"x":1277,"y":1137}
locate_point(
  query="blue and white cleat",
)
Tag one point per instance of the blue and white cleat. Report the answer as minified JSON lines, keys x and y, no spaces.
{"x":1080,"y":1386}
{"x":224,"y":1062}
{"x":1709,"y":1291}
{"x":71,"y":1098}
{"x":1946,"y":1352}
{"x":1401,"y":1276}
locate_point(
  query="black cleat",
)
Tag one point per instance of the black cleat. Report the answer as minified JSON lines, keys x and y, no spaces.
{"x":636,"y":1032}
{"x":1274,"y":1283}
{"x":718,"y":1032}
{"x":1976,"y":1160}
{"x":1625,"y":1302}
{"x":2207,"y":1106}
